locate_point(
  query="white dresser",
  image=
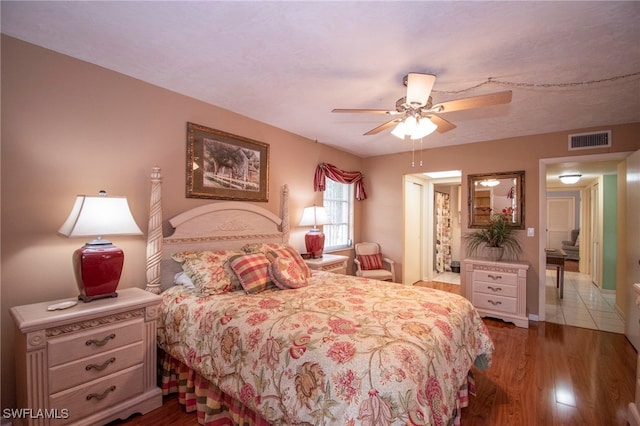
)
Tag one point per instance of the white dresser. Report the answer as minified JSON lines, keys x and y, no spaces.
{"x":88,"y":364}
{"x":633,"y":414}
{"x":498,"y":289}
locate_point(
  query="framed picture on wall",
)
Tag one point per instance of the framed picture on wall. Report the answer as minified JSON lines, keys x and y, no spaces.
{"x":224,"y":166}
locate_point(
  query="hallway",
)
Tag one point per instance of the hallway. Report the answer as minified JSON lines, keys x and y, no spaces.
{"x":583,"y":304}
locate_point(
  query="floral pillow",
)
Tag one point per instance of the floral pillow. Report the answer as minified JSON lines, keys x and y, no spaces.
{"x":207,"y":270}
{"x":273,"y":250}
{"x":252,"y":270}
{"x":286,"y":273}
{"x":369,"y":262}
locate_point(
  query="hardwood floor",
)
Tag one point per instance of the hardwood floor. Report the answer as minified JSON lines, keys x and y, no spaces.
{"x":548,"y":374}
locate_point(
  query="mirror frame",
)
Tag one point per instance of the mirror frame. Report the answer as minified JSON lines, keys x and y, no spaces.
{"x":519,"y":188}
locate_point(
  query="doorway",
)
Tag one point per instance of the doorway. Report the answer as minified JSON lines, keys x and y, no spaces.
{"x":592,"y":167}
{"x":432,"y":230}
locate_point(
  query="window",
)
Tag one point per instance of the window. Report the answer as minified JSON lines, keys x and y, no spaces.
{"x":338,"y":201}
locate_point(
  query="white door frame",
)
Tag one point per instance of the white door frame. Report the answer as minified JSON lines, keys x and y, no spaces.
{"x":408,"y":247}
{"x":428,"y":208}
{"x":542,"y":213}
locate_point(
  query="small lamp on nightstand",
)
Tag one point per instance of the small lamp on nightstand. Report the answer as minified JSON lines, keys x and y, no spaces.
{"x":314,"y":239}
{"x":98,"y":264}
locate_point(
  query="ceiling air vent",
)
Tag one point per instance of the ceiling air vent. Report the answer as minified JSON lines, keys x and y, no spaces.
{"x":590,"y":140}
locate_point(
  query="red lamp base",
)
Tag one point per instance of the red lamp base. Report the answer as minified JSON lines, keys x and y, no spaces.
{"x":314,"y":243}
{"x":97,"y":268}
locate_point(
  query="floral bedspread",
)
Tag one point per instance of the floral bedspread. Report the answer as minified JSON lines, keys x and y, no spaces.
{"x":343,"y":350}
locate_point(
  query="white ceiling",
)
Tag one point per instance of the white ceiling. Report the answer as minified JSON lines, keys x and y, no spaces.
{"x":289,"y":63}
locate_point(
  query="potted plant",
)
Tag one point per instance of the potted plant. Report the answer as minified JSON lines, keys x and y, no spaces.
{"x":497,"y":237}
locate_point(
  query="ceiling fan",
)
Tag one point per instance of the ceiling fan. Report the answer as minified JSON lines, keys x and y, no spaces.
{"x":416,"y":116}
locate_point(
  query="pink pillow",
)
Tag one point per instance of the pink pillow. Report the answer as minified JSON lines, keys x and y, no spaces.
{"x":370,"y":261}
{"x":272,"y":250}
{"x":286,"y":273}
{"x":252,"y":270}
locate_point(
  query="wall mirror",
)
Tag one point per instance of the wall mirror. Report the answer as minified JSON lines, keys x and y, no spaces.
{"x":496,"y":193}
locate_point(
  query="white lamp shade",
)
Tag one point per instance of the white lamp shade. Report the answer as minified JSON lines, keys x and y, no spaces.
{"x":398,"y":131}
{"x":313,"y":216}
{"x":424,"y":128}
{"x":419,"y":88}
{"x":98,"y":216}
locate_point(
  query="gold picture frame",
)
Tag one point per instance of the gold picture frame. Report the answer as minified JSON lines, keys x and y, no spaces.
{"x":224,"y":166}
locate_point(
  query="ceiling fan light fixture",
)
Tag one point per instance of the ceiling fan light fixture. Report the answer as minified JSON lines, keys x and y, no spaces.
{"x":398,"y":131}
{"x":419,"y":88}
{"x":490,"y":183}
{"x":424,"y":128}
{"x":570,"y":179}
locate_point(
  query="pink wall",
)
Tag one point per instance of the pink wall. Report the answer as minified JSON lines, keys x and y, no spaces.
{"x":68,"y":128}
{"x":71,"y":128}
{"x":385,"y":180}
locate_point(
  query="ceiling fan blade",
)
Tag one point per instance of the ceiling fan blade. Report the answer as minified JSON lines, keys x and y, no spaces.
{"x":383,"y":126}
{"x":443,"y":125}
{"x":473,"y":102}
{"x":419,"y":88}
{"x":366,"y":111}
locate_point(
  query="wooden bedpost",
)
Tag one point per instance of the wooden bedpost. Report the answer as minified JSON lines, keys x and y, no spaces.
{"x":154,"y":233}
{"x":284,"y":214}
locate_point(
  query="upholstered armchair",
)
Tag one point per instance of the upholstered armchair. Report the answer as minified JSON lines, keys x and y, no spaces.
{"x":370,"y":263}
{"x":572,"y":248}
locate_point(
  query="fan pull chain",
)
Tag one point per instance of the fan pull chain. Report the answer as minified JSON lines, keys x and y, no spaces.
{"x":413,"y":153}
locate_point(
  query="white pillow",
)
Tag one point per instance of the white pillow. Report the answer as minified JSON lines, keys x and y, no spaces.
{"x":181,"y":278}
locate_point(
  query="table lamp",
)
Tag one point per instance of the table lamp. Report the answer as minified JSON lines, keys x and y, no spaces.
{"x":98,"y":264}
{"x":314,"y":239}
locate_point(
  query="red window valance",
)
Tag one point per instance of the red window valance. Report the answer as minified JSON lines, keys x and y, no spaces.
{"x":325,"y":170}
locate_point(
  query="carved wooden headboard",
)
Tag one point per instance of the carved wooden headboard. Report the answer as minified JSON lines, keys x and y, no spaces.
{"x":215,"y":226}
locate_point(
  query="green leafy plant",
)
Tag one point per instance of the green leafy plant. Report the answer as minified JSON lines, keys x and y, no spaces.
{"x":497,"y":233}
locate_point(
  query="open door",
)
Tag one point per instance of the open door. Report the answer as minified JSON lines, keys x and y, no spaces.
{"x":632,"y":329}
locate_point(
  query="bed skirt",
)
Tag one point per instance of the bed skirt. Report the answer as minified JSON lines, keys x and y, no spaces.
{"x":213,"y":407}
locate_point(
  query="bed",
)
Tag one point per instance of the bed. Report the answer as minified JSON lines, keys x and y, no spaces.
{"x":300,"y":346}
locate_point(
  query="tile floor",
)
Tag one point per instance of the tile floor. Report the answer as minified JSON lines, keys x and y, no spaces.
{"x":448,"y":277}
{"x":583,"y":305}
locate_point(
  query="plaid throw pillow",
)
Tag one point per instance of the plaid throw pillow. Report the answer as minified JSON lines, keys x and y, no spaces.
{"x":273,"y":250}
{"x":252,"y":271}
{"x":370,"y":261}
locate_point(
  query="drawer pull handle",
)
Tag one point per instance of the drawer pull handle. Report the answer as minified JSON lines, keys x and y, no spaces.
{"x":100,"y":342}
{"x":102,"y":366}
{"x":495,"y":303}
{"x":494,"y":288}
{"x":101,"y":396}
{"x":495,"y":277}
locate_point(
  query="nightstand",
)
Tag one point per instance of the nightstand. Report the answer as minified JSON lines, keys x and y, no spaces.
{"x":330,"y":263}
{"x":89,"y":364}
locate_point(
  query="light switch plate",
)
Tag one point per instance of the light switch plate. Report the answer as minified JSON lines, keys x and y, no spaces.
{"x":530,"y":232}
